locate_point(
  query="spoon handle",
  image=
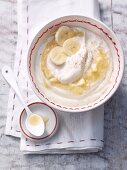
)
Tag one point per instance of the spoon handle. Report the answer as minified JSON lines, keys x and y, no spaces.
{"x":9,"y":76}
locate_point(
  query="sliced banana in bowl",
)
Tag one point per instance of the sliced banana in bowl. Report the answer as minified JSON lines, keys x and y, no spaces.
{"x":72,"y":45}
{"x":58,"y":55}
{"x":62,"y":34}
{"x":68,"y":41}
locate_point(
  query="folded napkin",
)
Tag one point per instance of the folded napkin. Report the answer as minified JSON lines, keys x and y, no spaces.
{"x":77,"y":132}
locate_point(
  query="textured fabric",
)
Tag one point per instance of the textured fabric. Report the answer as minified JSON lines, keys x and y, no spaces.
{"x":77,"y":132}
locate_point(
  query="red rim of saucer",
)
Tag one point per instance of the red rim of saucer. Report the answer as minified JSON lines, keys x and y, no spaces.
{"x":34,"y":138}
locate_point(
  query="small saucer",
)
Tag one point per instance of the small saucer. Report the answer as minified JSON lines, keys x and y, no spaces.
{"x":43,"y":110}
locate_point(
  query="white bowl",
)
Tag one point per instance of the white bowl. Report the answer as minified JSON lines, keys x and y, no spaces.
{"x":34,"y":56}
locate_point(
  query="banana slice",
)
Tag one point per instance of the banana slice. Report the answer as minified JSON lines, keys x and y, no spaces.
{"x":62,"y":34}
{"x":58,"y":56}
{"x":71,"y":46}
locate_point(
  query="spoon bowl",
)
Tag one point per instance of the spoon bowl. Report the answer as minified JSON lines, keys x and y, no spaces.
{"x":35,"y":124}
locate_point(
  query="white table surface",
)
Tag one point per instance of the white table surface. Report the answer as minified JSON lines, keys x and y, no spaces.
{"x":114,"y":154}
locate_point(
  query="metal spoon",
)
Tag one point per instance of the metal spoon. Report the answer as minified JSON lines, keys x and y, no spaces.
{"x":36,"y":128}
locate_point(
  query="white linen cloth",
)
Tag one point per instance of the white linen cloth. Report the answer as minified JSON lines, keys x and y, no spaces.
{"x":77,"y":132}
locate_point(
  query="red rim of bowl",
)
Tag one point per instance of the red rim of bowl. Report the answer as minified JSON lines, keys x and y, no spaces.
{"x":34,"y":138}
{"x":101,"y":101}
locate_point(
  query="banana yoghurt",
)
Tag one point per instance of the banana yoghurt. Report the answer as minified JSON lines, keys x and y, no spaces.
{"x":75,"y":60}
